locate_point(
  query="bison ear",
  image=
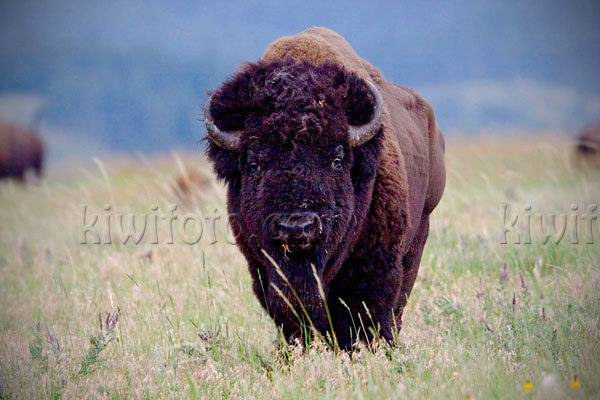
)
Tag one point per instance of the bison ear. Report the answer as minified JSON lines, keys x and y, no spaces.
{"x":360,"y":104}
{"x":229,"y":106}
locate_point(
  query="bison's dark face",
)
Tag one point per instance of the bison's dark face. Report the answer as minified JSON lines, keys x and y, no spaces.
{"x":296,"y":195}
{"x":294,"y":142}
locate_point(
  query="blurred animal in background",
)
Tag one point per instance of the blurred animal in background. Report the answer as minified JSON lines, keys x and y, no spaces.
{"x":190,"y":185}
{"x":21,"y":150}
{"x":587,"y":147}
{"x":332,"y":173}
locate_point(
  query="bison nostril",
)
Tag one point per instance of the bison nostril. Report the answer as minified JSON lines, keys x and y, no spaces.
{"x":292,"y":229}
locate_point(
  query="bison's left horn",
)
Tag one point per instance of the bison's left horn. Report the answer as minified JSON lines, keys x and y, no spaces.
{"x":362,"y":134}
{"x":229,"y":140}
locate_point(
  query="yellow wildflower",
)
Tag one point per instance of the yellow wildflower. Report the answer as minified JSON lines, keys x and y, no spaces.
{"x":527,"y":386}
{"x":575,"y":383}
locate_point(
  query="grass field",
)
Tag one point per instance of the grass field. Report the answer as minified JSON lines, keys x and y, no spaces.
{"x":485,"y":320}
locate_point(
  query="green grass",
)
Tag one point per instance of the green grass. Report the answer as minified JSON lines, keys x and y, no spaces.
{"x":189,"y":325}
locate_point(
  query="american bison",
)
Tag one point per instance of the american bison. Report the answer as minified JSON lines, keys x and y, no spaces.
{"x":332,"y":173}
{"x":20,"y":150}
{"x":190,"y":185}
{"x":587,"y":149}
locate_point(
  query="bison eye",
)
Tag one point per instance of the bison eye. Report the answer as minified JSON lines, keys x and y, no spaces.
{"x":336,"y":164}
{"x":253,"y":168}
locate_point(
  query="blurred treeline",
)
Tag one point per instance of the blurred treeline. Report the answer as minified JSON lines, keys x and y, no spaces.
{"x":132,"y":75}
{"x":140,"y":99}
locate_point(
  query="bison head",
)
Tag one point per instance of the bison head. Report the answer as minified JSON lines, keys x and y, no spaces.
{"x":298,"y":146}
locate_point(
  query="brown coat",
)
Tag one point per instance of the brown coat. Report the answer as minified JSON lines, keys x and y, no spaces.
{"x":587,"y":147}
{"x":20,"y":150}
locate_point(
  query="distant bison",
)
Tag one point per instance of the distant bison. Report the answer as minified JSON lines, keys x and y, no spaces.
{"x":20,"y":150}
{"x":190,"y":185}
{"x":587,"y":149}
{"x":332,"y":172}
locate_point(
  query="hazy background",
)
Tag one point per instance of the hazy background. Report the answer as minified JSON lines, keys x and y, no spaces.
{"x":123,"y":76}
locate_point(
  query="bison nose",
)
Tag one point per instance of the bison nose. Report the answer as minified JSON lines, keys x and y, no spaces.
{"x":300,"y":228}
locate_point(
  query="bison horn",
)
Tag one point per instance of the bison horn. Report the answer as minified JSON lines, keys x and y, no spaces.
{"x":362,"y":134}
{"x":229,"y":140}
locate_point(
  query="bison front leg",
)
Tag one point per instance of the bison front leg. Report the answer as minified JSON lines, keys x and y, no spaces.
{"x":365,"y":299}
{"x":381,"y":282}
{"x":411,"y":263}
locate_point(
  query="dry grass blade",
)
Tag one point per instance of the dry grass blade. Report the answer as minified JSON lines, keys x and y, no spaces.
{"x":324,"y":299}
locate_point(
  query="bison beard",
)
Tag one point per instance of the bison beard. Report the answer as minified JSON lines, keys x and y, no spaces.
{"x":315,"y":180}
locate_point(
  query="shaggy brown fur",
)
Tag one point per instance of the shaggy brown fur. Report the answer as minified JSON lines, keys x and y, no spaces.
{"x":587,"y":147}
{"x":380,"y":198}
{"x":20,"y":150}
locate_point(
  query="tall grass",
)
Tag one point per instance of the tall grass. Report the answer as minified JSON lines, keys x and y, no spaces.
{"x":484,"y":318}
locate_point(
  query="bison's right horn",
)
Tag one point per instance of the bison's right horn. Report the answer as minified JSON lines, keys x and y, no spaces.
{"x":229,"y":140}
{"x":362,"y":134}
